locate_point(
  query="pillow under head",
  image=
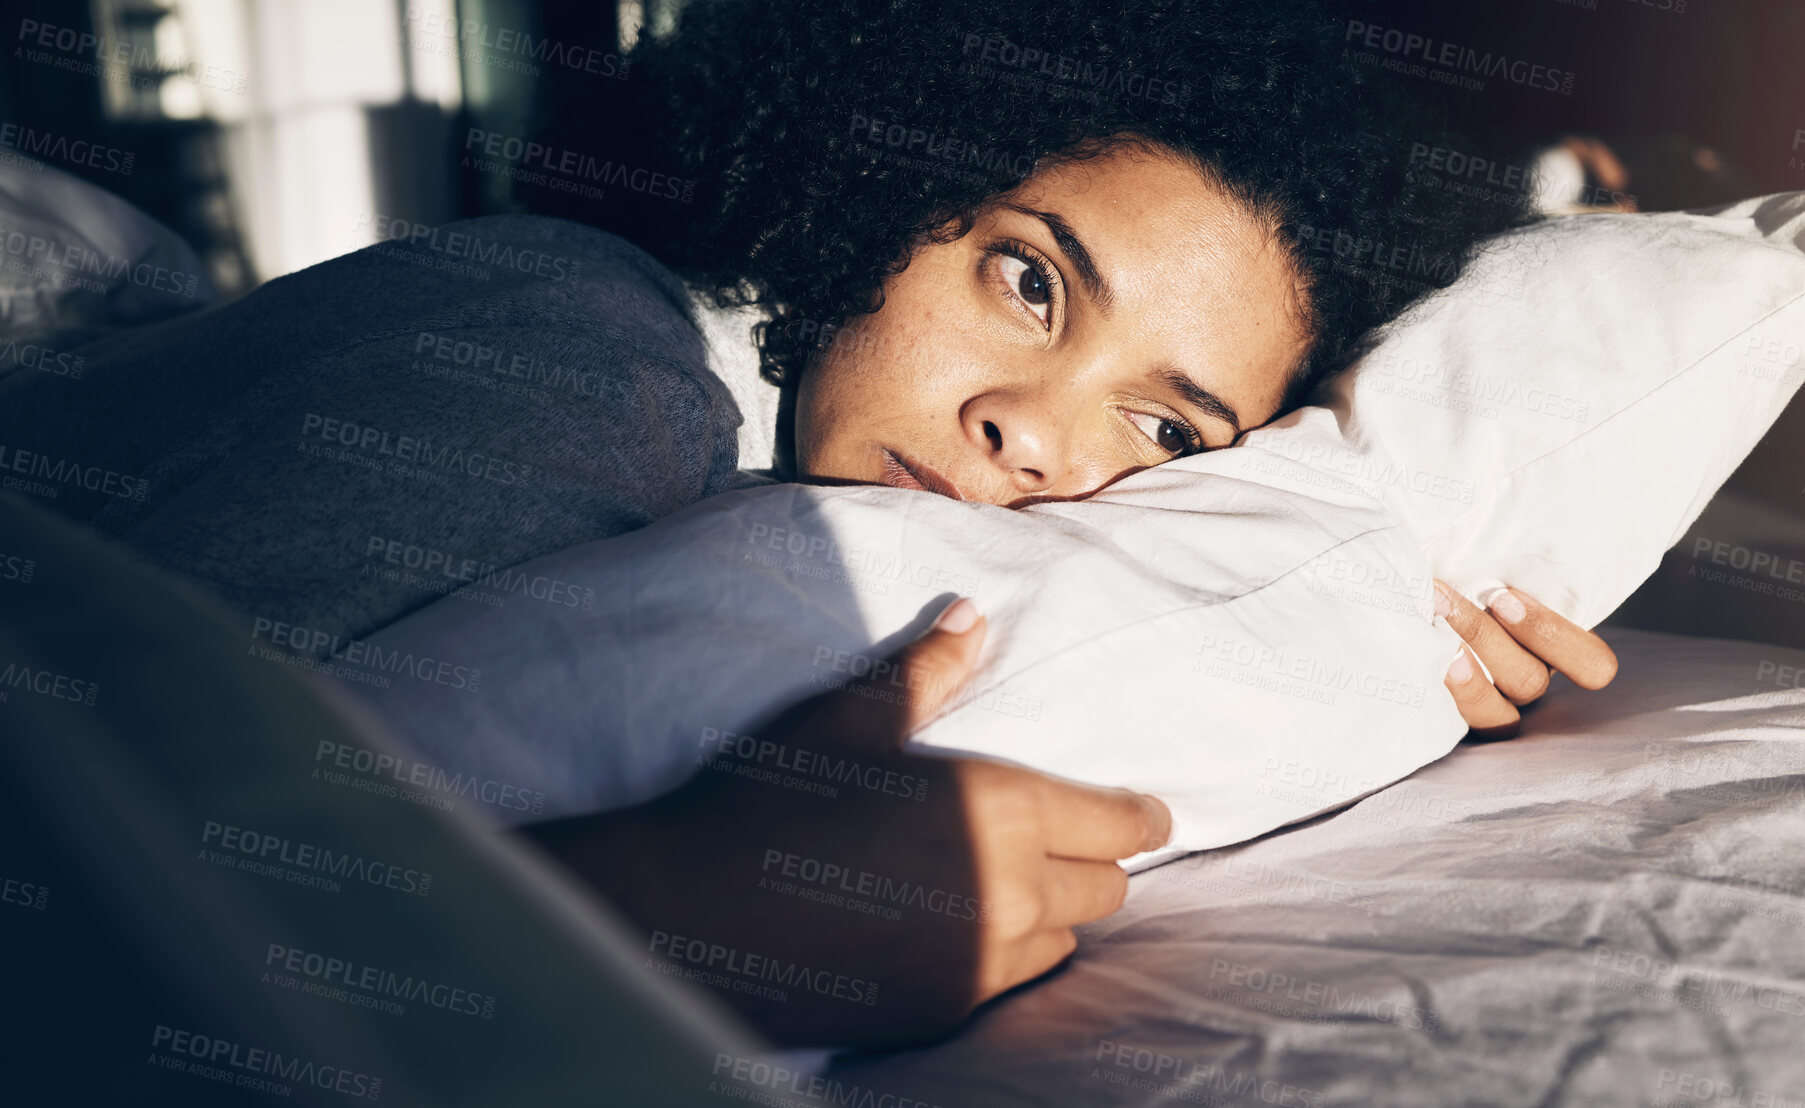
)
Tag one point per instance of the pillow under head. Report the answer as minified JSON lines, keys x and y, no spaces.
{"x":1246,"y":633}
{"x":1558,"y":418}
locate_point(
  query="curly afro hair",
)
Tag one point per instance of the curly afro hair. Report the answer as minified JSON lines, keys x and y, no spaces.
{"x":829,"y":140}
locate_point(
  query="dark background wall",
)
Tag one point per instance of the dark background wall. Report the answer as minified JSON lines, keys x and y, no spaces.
{"x":1729,"y":74}
{"x":1657,"y":78}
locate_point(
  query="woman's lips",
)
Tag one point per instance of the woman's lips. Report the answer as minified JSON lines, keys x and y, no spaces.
{"x":902,"y":473}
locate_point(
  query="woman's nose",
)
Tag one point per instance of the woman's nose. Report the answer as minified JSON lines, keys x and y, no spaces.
{"x":1022,"y":438}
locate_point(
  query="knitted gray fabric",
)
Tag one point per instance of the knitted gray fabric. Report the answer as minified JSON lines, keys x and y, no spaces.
{"x":351,"y":442}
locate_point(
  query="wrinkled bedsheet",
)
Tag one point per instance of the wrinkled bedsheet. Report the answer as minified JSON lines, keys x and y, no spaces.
{"x":1608,"y":910}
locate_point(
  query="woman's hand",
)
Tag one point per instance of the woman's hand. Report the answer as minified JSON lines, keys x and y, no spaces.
{"x":1518,"y":640}
{"x":923,"y":888}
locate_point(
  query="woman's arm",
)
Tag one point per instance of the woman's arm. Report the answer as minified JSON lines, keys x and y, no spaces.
{"x":881,"y":915}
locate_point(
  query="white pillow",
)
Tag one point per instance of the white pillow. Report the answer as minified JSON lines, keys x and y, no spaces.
{"x":82,"y":260}
{"x":1211,"y":635}
{"x":1245,"y":633}
{"x":1567,"y":410}
{"x":727,"y":332}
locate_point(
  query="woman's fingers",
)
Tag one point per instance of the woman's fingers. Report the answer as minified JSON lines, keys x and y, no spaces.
{"x":938,"y":664}
{"x":1584,"y":657}
{"x":1033,"y":956}
{"x":1516,"y":672}
{"x":1096,"y":824}
{"x":906,"y":690}
{"x":1518,"y":639}
{"x":1487,"y":713}
{"x":1077,"y":892}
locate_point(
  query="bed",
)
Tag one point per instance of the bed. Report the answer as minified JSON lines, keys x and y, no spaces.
{"x":1607,"y":910}
{"x":1604,"y":911}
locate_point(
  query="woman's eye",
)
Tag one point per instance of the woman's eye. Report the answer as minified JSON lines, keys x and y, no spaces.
{"x":1168,"y":435}
{"x":1030,"y":284}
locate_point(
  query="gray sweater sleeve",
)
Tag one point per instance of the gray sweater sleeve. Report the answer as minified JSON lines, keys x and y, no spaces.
{"x":356,"y":440}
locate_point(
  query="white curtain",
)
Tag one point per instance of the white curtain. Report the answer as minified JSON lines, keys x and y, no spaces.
{"x":295,"y":84}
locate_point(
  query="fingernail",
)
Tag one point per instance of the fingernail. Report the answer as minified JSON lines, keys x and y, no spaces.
{"x":1442,"y":604}
{"x":1462,"y":669}
{"x":957,"y":618}
{"x":1507,"y":607}
{"x":1159,"y":818}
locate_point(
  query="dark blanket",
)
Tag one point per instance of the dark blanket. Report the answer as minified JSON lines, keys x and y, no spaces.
{"x":351,"y":442}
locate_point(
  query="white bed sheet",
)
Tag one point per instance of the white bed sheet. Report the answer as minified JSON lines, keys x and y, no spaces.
{"x":1609,"y":910}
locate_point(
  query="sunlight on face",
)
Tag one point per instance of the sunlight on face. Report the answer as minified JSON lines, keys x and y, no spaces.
{"x":1105,"y":316}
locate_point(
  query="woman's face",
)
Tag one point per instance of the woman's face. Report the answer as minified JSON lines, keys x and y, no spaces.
{"x":1105,"y":316}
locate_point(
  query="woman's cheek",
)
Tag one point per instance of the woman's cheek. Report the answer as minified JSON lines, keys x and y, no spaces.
{"x":814,"y":421}
{"x":842,"y":398}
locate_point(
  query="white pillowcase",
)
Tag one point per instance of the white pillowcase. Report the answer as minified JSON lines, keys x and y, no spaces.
{"x":132,"y":270}
{"x":1199,"y":635}
{"x":1570,"y":407}
{"x":1246,"y":634}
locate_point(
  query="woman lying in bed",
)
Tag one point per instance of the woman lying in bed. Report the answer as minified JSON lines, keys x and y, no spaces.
{"x":992,"y":279}
{"x":1046,"y":247}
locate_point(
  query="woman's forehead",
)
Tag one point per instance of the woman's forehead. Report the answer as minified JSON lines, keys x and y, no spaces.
{"x":1139,"y":197}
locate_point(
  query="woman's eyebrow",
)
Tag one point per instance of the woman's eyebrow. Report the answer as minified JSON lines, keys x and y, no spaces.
{"x":1074,"y":249}
{"x":1104,"y":297}
{"x":1201,"y":398}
